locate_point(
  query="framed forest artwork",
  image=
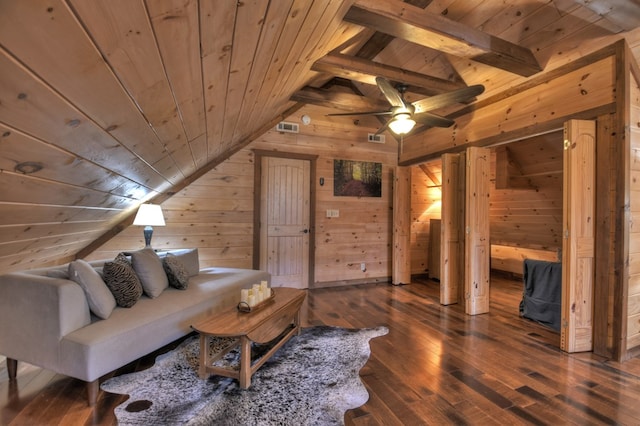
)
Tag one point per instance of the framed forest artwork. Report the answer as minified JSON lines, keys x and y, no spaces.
{"x":357,"y":179}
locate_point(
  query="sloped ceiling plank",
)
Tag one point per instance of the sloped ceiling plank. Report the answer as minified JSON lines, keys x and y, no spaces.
{"x":62,"y":166}
{"x":32,"y":232}
{"x":338,"y":100}
{"x":73,"y":66}
{"x":437,"y":32}
{"x":19,"y":188}
{"x":26,"y":214}
{"x":217,"y":23}
{"x":365,"y":71}
{"x":41,"y":251}
{"x":27,"y":104}
{"x":250,"y":23}
{"x":315,"y":40}
{"x":262,"y":99}
{"x":177,"y":29}
{"x":294,"y":46}
{"x":122,"y":32}
{"x":274,"y":24}
{"x":624,"y":13}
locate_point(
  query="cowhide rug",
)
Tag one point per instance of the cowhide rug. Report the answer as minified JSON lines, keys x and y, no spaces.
{"x":312,"y":380}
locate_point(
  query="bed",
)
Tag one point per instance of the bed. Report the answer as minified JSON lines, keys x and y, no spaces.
{"x":542,"y":292}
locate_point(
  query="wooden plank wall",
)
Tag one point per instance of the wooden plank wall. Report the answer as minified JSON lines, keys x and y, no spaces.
{"x":633,"y":301}
{"x":215,"y":213}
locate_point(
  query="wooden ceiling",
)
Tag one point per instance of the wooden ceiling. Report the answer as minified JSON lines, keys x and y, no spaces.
{"x":106,"y":104}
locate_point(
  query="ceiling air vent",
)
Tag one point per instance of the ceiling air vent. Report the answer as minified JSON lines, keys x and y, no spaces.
{"x":287,"y":127}
{"x":376,"y":138}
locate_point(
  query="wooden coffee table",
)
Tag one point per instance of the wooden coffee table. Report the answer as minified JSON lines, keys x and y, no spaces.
{"x":280,"y":314}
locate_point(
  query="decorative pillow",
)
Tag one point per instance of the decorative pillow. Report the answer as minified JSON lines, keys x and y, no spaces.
{"x":122,"y":281}
{"x":148,"y":267}
{"x":100,"y":299}
{"x":176,"y":272}
{"x":189,"y":258}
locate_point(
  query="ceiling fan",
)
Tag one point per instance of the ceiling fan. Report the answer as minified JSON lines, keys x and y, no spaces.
{"x":405,"y":115}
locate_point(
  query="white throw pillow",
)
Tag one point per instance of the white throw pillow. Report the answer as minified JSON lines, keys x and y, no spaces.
{"x":101,"y":301}
{"x":149,"y":269}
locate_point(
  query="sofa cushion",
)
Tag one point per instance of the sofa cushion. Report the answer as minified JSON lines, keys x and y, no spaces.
{"x":176,"y":272}
{"x":101,"y":301}
{"x":149,"y":269}
{"x":122,"y":281}
{"x":189,"y":258}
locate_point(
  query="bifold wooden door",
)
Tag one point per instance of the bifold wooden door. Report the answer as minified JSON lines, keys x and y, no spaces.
{"x":576,"y":332}
{"x":465,"y":239}
{"x":452,"y":229}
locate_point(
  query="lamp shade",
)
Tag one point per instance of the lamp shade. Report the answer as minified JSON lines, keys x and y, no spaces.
{"x":401,"y":124}
{"x":149,"y":215}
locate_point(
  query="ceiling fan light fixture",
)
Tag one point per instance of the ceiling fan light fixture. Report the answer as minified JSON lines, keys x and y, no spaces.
{"x":402,"y":124}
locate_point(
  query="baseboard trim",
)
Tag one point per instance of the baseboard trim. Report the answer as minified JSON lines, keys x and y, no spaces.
{"x":342,"y":283}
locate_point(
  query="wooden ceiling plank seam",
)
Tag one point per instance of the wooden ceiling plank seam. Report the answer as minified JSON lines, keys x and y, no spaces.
{"x":314,"y":40}
{"x":133,"y":54}
{"x":250,"y":25}
{"x":365,"y":71}
{"x":24,"y":187}
{"x":275,"y":23}
{"x":44,"y":59}
{"x":217,"y":26}
{"x":28,"y":106}
{"x":25,"y":148}
{"x":435,"y":31}
{"x":179,"y":47}
{"x":289,"y":47}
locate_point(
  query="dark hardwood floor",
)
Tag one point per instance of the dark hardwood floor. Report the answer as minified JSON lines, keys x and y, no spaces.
{"x":436,"y":366}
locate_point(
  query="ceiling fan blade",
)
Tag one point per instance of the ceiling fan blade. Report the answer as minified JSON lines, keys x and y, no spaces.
{"x":337,"y":114}
{"x":445,"y":99}
{"x":385,"y":127}
{"x":433,"y":120}
{"x":389,"y":92}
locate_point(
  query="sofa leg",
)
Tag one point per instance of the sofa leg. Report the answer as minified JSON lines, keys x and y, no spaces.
{"x":92,"y":392}
{"x":12,"y":368}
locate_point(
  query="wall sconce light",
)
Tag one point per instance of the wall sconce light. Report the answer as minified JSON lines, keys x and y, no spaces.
{"x":149,"y":215}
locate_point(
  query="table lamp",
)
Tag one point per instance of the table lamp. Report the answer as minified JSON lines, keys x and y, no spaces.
{"x":149,"y":215}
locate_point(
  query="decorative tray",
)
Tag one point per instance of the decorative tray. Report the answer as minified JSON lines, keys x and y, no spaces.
{"x":244,"y":307}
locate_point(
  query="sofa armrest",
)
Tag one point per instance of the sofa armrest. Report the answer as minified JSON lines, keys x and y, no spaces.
{"x":36,"y":312}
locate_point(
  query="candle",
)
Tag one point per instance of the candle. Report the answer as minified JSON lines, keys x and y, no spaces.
{"x":252,"y":300}
{"x":244,"y":295}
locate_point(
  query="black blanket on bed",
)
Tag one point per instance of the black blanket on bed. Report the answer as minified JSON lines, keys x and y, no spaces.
{"x":542,"y":292}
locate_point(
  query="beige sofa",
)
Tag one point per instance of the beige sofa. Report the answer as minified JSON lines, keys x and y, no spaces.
{"x":46,"y":321}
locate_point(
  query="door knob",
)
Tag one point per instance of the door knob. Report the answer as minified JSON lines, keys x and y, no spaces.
{"x":305,"y":231}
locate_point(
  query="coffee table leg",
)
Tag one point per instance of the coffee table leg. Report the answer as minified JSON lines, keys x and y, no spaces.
{"x":204,"y":357}
{"x":245,"y":362}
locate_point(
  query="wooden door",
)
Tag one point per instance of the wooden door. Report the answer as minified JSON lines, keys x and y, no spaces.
{"x":452,"y":229}
{"x":477,"y":241}
{"x":285,"y":221}
{"x":576,"y":332}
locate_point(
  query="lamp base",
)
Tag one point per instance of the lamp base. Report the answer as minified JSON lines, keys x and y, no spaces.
{"x":147,"y":232}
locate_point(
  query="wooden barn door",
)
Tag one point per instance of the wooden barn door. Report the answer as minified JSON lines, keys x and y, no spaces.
{"x":477,"y":241}
{"x":578,"y":244}
{"x":452,"y":229}
{"x":285,"y":221}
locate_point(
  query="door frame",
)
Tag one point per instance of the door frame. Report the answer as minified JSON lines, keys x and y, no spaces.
{"x":259,"y":154}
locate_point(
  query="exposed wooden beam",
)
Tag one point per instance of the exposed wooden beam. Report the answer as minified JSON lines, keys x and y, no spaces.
{"x":338,"y":100}
{"x":379,"y":41}
{"x":437,"y":32}
{"x":430,"y":175}
{"x":365,"y":71}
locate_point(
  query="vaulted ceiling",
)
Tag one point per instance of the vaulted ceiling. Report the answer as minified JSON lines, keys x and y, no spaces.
{"x":106,"y":104}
